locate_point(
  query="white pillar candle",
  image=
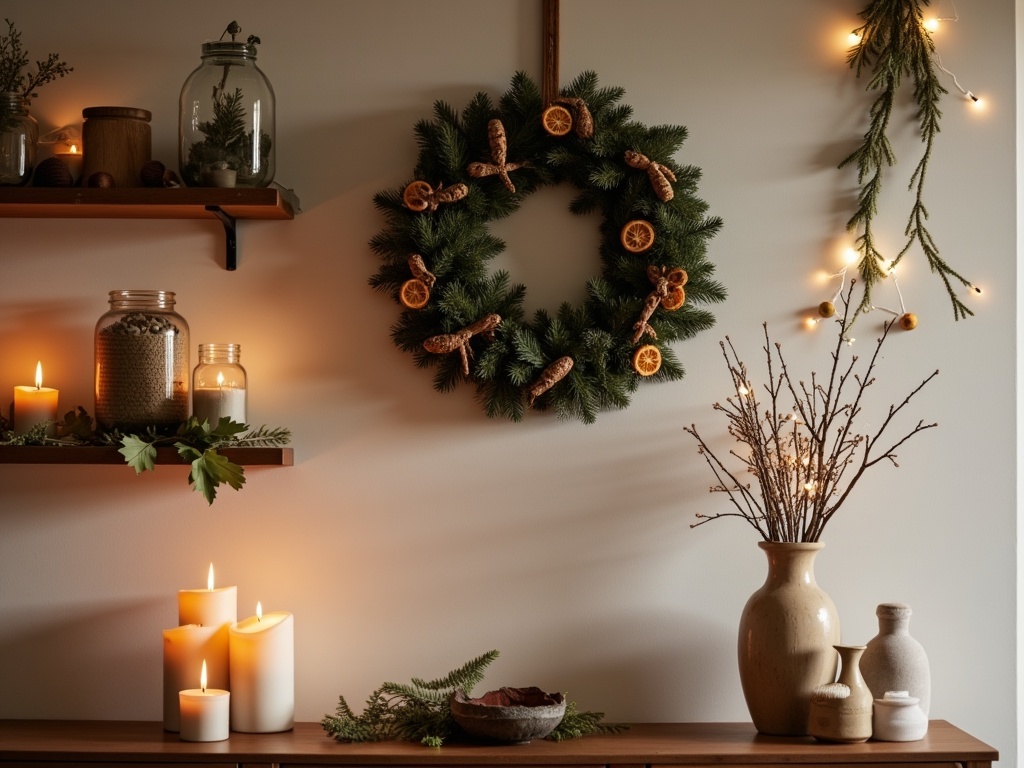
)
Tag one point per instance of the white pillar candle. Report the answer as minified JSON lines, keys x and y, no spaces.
{"x":185,"y":650}
{"x":263,"y":673}
{"x":34,"y":405}
{"x":205,"y":712}
{"x":217,"y":608}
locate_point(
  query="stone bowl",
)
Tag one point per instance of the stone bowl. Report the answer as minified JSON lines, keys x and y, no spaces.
{"x":511,"y":715}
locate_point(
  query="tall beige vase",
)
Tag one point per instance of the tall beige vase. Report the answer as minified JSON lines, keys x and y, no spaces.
{"x":787,"y":632}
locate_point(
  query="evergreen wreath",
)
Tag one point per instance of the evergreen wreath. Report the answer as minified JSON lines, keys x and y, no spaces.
{"x":478,"y":166}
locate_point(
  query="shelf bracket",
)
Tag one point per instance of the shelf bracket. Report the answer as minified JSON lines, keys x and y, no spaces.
{"x":230,"y":237}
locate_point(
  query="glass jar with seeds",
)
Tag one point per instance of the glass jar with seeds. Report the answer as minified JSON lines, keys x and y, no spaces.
{"x":142,"y":362}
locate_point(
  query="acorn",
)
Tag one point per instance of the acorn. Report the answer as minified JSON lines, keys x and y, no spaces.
{"x":908,"y":321}
{"x":152,"y":174}
{"x":53,"y":172}
{"x":826,"y":309}
{"x":100,"y":179}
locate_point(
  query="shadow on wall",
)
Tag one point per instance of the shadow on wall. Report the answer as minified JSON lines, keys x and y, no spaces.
{"x":95,"y":680}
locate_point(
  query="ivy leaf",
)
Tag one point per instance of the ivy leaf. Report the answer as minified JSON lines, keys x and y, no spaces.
{"x":139,"y":454}
{"x":210,"y":469}
{"x":227,"y":428}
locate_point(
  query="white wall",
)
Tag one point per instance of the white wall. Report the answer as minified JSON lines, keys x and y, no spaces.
{"x":413,"y":533}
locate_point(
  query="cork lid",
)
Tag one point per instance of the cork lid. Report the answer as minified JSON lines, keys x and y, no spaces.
{"x":130,"y":113}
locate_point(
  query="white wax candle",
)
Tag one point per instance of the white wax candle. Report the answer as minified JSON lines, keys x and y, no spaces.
{"x":34,"y":405}
{"x":211,"y":403}
{"x":185,"y":649}
{"x":216,"y":608}
{"x":205,"y":712}
{"x":263,"y":673}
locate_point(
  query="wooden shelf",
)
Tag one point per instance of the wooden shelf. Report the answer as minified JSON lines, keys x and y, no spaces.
{"x":49,"y":744}
{"x":89,"y":454}
{"x":225,"y":205}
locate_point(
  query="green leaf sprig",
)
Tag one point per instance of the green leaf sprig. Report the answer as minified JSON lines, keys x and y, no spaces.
{"x":197,"y":444}
{"x":14,"y":61}
{"x":894,"y":44}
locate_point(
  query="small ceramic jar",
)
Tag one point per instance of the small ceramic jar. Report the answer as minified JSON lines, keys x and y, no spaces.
{"x":898,"y":717}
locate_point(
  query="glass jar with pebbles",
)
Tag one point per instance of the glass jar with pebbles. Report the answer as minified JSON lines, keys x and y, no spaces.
{"x":142,"y":364}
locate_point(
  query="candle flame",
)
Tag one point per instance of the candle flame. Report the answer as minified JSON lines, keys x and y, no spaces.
{"x":259,"y":611}
{"x":74,"y":149}
{"x":209,"y":579}
{"x":220,"y":379}
{"x":39,"y":375}
{"x":202,"y":677}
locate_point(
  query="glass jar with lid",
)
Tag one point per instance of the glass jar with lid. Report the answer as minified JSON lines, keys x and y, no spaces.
{"x":219,"y":384}
{"x":226,"y":118}
{"x":142,"y":364}
{"x":19,"y":139}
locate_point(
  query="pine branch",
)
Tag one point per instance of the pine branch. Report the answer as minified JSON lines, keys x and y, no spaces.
{"x":895,"y":44}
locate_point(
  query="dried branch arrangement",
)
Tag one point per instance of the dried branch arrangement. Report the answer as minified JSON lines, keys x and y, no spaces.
{"x":802,"y":445}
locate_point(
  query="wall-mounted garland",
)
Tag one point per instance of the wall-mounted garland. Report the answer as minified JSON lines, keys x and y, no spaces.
{"x":469,"y":324}
{"x":894,"y":43}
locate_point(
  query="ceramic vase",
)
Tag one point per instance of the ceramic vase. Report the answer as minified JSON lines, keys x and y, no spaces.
{"x":895,"y":661}
{"x":898,"y":717}
{"x":786,"y":636}
{"x":855,"y":712}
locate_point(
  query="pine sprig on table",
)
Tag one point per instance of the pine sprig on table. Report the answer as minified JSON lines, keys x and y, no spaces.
{"x":420,"y":711}
{"x":894,"y":44}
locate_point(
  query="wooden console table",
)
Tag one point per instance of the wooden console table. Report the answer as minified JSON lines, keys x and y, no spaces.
{"x":52,"y":743}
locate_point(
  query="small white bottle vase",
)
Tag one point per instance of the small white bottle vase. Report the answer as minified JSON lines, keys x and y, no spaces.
{"x":895,"y":661}
{"x":898,"y":717}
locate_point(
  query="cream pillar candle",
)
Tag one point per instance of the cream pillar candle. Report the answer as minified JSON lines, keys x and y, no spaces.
{"x":185,"y":651}
{"x":205,"y":712}
{"x":210,"y":404}
{"x":211,"y":608}
{"x":263,"y":673}
{"x":34,"y":405}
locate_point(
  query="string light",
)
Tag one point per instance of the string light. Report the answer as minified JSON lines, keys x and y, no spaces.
{"x":932,"y":24}
{"x":853,"y":39}
{"x":975,"y":289}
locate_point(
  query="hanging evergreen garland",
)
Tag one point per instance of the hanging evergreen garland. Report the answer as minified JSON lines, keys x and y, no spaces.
{"x":469,"y":324}
{"x":894,"y":43}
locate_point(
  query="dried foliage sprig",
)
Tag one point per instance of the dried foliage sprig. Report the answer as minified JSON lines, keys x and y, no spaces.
{"x":895,"y":44}
{"x":14,"y":60}
{"x":803,"y":446}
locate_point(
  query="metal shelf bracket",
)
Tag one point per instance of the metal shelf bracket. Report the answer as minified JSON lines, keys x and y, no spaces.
{"x":230,"y":237}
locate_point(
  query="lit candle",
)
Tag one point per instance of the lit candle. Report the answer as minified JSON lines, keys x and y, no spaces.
{"x":185,"y":651}
{"x":217,"y":609}
{"x":72,"y":157}
{"x":205,"y":712}
{"x":211,"y":403}
{"x":34,"y":405}
{"x":263,"y":673}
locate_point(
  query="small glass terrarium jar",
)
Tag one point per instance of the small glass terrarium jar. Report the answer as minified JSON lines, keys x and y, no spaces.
{"x":219,"y":384}
{"x":142,"y":364}
{"x":19,"y":139}
{"x":226,"y":118}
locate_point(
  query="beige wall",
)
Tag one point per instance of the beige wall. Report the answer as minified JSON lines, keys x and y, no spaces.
{"x":413,"y":533}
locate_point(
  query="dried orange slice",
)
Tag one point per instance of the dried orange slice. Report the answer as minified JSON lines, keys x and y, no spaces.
{"x":677,"y":276}
{"x":414,"y":293}
{"x":637,"y":236}
{"x":557,"y":120}
{"x":647,"y":360}
{"x":416,"y":195}
{"x":675,"y":299}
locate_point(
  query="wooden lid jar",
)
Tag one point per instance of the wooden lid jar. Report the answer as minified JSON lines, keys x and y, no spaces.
{"x":117,"y":141}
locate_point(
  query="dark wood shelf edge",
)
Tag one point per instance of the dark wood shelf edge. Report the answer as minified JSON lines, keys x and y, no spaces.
{"x":146,"y":203}
{"x":91,"y":454}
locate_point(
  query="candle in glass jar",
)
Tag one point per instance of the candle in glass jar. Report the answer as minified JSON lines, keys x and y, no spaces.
{"x":71,"y":156}
{"x":34,"y":405}
{"x":213,"y":403}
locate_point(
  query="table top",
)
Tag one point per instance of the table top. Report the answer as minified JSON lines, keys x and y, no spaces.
{"x":646,"y":743}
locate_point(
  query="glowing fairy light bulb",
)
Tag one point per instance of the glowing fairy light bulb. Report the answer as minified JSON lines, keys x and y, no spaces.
{"x":975,"y":289}
{"x":932,"y":24}
{"x":743,"y":390}
{"x":851,"y":256}
{"x":810,"y":323}
{"x":853,"y":39}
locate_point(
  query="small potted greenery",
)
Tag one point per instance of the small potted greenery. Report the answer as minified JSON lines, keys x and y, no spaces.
{"x":19,"y":133}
